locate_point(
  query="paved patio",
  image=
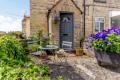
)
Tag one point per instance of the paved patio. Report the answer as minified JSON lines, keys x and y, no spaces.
{"x":96,"y":72}
{"x":80,"y":68}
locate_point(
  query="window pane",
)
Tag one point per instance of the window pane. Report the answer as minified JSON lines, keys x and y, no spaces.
{"x":101,"y":26}
{"x":99,"y":23}
{"x":97,"y":26}
{"x":101,"y":20}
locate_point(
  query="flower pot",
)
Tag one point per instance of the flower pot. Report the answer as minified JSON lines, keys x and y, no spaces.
{"x":44,"y":56}
{"x":79,"y":52}
{"x":106,"y":58}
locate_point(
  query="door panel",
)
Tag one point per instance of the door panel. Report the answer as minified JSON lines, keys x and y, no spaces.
{"x":66,"y":28}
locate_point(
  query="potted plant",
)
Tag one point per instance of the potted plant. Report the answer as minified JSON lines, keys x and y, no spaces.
{"x":107,"y":46}
{"x":79,"y":51}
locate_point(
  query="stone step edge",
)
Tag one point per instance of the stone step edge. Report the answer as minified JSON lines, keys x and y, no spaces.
{"x":86,"y":71}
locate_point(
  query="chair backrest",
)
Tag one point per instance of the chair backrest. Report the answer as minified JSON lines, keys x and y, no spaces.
{"x":32,"y":42}
{"x":67,"y":45}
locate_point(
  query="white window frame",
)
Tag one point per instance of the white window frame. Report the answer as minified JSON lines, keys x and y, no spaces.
{"x":99,"y":23}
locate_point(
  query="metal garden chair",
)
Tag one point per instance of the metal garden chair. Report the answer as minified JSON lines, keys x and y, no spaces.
{"x":63,"y":54}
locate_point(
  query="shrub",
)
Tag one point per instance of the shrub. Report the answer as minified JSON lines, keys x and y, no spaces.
{"x":33,"y":47}
{"x":16,"y":34}
{"x":45,"y":42}
{"x":13,"y":64}
{"x":38,"y":37}
{"x":25,"y":45}
{"x":30,"y":72}
{"x":82,"y":41}
{"x":11,"y":48}
{"x":41,"y":40}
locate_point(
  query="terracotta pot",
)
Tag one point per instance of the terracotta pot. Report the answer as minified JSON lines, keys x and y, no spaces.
{"x":79,"y":52}
{"x":44,"y":56}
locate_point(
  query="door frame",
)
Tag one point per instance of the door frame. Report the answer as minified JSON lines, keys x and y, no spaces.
{"x":66,"y":12}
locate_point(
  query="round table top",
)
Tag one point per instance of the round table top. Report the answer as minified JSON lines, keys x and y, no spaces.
{"x":50,"y":47}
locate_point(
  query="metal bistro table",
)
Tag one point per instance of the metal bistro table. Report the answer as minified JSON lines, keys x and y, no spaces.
{"x":51,"y":48}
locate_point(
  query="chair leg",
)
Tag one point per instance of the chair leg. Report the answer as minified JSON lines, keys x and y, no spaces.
{"x":54,"y":60}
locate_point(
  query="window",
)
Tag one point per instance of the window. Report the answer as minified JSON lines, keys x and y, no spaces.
{"x":102,"y":1}
{"x":99,"y":23}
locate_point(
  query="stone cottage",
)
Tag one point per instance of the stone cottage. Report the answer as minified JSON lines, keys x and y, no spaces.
{"x":26,"y":26}
{"x":69,"y":20}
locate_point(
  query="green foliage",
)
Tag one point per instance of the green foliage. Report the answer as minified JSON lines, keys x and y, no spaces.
{"x":33,"y":47}
{"x":14,"y":64}
{"x":38,"y":37}
{"x":16,"y":34}
{"x":45,"y":42}
{"x":11,"y":48}
{"x":59,"y":78}
{"x":82,"y":42}
{"x":111,"y":44}
{"x":25,"y":45}
{"x":29,"y":72}
{"x":115,"y":44}
{"x":42,"y":41}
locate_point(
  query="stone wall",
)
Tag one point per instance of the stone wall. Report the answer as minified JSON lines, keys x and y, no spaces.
{"x":38,"y":12}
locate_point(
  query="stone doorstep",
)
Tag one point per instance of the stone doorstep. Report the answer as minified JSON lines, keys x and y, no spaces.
{"x":86,"y":71}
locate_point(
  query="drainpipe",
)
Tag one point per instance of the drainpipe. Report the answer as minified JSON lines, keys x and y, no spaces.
{"x":48,"y":16}
{"x":84,"y":17}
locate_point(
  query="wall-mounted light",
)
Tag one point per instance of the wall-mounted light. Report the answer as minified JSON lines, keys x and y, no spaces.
{"x":56,"y":19}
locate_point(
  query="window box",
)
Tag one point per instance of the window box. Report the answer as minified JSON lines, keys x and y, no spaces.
{"x":105,"y":58}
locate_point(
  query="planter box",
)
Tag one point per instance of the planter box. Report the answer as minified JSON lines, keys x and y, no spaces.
{"x":107,"y":58}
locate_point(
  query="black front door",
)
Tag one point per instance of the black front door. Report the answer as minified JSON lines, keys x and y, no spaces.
{"x":66,"y":28}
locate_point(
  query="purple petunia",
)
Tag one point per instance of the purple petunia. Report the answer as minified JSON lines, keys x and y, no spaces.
{"x":102,"y":35}
{"x":114,"y":27}
{"x":109,"y":43}
{"x":98,"y":35}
